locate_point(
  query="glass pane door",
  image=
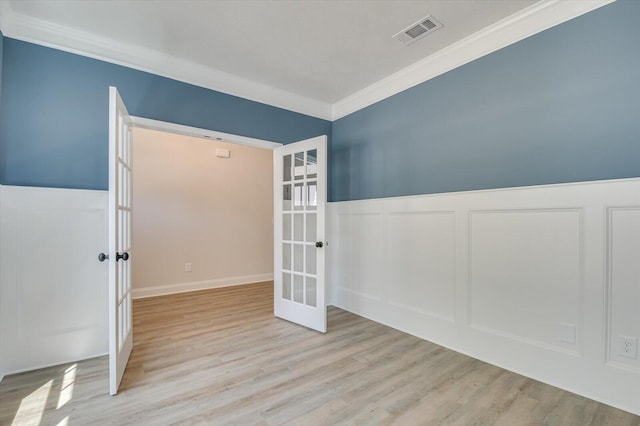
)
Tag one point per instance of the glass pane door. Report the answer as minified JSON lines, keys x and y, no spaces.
{"x":300,"y":180}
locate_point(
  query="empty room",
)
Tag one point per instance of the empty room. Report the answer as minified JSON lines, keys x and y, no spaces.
{"x":319,"y":212}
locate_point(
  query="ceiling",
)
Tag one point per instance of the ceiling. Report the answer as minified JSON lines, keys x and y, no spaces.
{"x":319,"y":52}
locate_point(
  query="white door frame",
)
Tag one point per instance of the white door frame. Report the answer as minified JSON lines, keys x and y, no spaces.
{"x":165,"y":126}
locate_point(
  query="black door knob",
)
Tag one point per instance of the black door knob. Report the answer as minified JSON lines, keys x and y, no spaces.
{"x":102,"y":257}
{"x":319,"y":244}
{"x":124,"y":256}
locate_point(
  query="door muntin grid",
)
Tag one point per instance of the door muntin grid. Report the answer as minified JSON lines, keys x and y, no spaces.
{"x":299,"y":227}
{"x":123,"y":238}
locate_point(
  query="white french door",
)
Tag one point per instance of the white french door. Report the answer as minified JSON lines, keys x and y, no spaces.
{"x":300,"y":191}
{"x":120,"y":309}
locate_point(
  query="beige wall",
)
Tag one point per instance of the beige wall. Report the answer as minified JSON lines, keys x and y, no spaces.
{"x":190,"y":206}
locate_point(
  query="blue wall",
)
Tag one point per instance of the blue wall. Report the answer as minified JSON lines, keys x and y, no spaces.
{"x":561,"y":106}
{"x":54,"y":115}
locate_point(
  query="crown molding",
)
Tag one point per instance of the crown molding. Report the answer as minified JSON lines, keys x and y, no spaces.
{"x":5,"y":11}
{"x":532,"y":20}
{"x":540,"y":16}
{"x":33,"y":30}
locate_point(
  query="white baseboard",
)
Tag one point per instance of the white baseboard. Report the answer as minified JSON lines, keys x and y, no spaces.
{"x":141,"y":293}
{"x":54,"y":363}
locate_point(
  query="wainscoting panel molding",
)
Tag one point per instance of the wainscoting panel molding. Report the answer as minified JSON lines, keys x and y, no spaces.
{"x":423,"y":271}
{"x":623,"y":287}
{"x":53,"y":289}
{"x":529,"y":263}
{"x":362,"y":254}
{"x":542,"y":280}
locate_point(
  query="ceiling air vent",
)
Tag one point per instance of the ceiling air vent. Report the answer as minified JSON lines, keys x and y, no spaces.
{"x":418,"y":30}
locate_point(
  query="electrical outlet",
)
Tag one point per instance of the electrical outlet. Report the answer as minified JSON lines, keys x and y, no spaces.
{"x":628,"y":346}
{"x":187,"y":267}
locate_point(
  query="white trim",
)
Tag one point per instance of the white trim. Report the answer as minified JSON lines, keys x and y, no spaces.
{"x":532,"y":20}
{"x":141,"y":293}
{"x":5,"y":12}
{"x":540,"y":16}
{"x":34,"y":30}
{"x":164,"y":126}
{"x":54,"y":364}
{"x":483,"y":191}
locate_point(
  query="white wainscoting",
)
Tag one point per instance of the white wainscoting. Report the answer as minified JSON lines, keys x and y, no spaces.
{"x":540,"y":280}
{"x":53,"y":290}
{"x":623,"y":284}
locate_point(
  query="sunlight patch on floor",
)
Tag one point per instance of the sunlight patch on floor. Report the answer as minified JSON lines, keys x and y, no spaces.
{"x":66,"y":389}
{"x":32,"y":406}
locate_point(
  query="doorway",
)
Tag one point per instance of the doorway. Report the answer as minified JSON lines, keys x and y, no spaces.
{"x":309,"y":177}
{"x":203,"y":213}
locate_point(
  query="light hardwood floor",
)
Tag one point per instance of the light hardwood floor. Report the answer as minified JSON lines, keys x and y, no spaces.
{"x":220,"y":357}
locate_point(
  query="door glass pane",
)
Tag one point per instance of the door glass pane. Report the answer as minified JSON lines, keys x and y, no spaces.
{"x":298,"y":170}
{"x":128,"y":313}
{"x":311,"y":259}
{"x":120,"y":184}
{"x":312,"y":164}
{"x":311,"y":291}
{"x":128,"y":147}
{"x":129,"y":233}
{"x":286,"y":168}
{"x":121,"y":219}
{"x":312,"y":200}
{"x":286,"y":286}
{"x":298,"y":223}
{"x":298,"y":259}
{"x":120,"y":133}
{"x":120,"y":327}
{"x":311,"y":227}
{"x":286,"y":227}
{"x":286,"y":197}
{"x":298,"y":289}
{"x":312,"y":195}
{"x":286,"y":256}
{"x":298,"y":196}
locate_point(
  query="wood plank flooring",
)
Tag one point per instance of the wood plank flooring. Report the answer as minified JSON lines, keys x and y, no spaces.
{"x":219,"y":357}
